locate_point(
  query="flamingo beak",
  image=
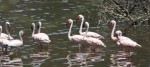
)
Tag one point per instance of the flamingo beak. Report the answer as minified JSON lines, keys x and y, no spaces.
{"x":37,"y":26}
{"x":22,"y":35}
{"x":31,"y":28}
{"x":116,"y":35}
{"x":110,"y":25}
{"x":84,"y":25}
{"x":67,"y":24}
{"x":77,"y":19}
{"x":9,"y":27}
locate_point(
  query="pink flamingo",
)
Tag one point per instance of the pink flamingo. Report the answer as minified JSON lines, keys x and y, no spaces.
{"x":75,"y":38}
{"x":89,"y":34}
{"x":93,"y":41}
{"x":39,"y":37}
{"x":83,"y":39}
{"x":121,"y":40}
{"x":6,"y":36}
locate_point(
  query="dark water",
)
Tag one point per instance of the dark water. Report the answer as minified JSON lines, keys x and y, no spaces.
{"x":61,"y":52}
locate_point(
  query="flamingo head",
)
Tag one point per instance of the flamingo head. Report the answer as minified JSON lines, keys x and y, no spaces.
{"x":33,"y":25}
{"x":8,"y":25}
{"x":118,"y":33}
{"x":69,"y":23}
{"x":79,"y":18}
{"x":21,"y":33}
{"x":39,"y":24}
{"x":87,"y":24}
{"x":111,"y":23}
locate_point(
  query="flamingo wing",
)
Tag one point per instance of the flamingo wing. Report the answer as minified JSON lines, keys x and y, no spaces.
{"x":41,"y":37}
{"x":94,"y":41}
{"x":93,"y":34}
{"x":77,"y":38}
{"x":15,"y":43}
{"x":4,"y":42}
{"x":125,"y":41}
{"x":5,"y":36}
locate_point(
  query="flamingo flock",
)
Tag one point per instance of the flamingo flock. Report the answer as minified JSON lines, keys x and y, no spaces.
{"x":86,"y":38}
{"x":8,"y":41}
{"x":93,"y":39}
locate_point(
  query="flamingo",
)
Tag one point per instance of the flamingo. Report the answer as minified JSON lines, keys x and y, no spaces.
{"x":121,"y":40}
{"x":86,"y":40}
{"x":126,"y":41}
{"x":89,"y":34}
{"x":74,"y":38}
{"x":93,"y":41}
{"x":6,"y":36}
{"x":12,"y":43}
{"x":3,"y":42}
{"x":17,"y":42}
{"x":46,"y":39}
{"x":39,"y":37}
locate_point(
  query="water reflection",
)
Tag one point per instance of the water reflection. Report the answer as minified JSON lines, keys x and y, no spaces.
{"x":39,"y":57}
{"x":8,"y":60}
{"x":83,"y":59}
{"x":121,"y":59}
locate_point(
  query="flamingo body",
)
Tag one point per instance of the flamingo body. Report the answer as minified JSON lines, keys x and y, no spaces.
{"x":5,"y":36}
{"x":91,"y":40}
{"x":77,"y":38}
{"x":17,"y":42}
{"x":4,"y":42}
{"x":122,"y":40}
{"x":94,"y":41}
{"x":92,"y":34}
{"x":125,"y":41}
{"x":42,"y":37}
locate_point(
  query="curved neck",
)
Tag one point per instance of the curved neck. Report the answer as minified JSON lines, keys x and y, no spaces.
{"x":33,"y":31}
{"x":82,"y":20}
{"x":0,"y":30}
{"x":39,"y":30}
{"x":69,"y":33}
{"x":7,"y":29}
{"x":20,"y":36}
{"x":87,"y":28}
{"x":112,"y":33}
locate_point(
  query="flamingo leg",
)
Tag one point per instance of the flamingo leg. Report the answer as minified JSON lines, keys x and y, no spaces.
{"x":79,"y":48}
{"x":5,"y":50}
{"x":92,"y":48}
{"x":40,"y":46}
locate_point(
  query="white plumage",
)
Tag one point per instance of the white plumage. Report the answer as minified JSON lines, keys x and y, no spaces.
{"x":3,"y":35}
{"x":17,"y":42}
{"x":3,"y":41}
{"x":40,"y":37}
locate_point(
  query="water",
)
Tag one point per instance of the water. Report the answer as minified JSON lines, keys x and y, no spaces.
{"x":61,"y":52}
